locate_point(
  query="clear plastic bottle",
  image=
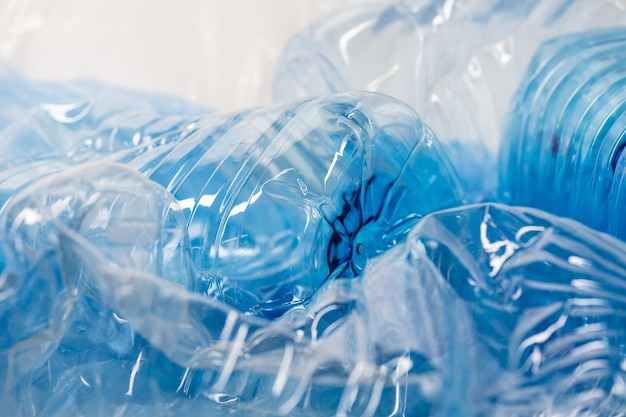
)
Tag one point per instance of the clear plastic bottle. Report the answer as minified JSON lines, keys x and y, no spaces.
{"x":483,"y":310}
{"x":458,"y":63}
{"x":152,"y":250}
{"x":546,"y":296}
{"x":132,"y":338}
{"x":331,"y":182}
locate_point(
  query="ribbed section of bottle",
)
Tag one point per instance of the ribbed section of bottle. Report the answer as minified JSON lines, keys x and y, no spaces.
{"x":99,"y":320}
{"x":277,"y":200}
{"x":568,"y":129}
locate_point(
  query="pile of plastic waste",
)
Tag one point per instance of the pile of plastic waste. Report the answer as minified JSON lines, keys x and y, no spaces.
{"x":426,"y":223}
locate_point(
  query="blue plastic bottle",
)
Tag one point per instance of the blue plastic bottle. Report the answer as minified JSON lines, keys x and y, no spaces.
{"x":172,"y":263}
{"x":546,"y":297}
{"x":331,"y":182}
{"x":458,"y":63}
{"x":566,"y":134}
{"x":484,"y":310}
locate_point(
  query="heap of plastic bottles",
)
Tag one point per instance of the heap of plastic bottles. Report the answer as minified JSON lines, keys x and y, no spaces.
{"x":335,"y":254}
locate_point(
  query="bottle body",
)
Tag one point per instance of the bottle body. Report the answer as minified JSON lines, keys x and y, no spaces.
{"x":183,"y":256}
{"x":542,"y":303}
{"x":300,"y":179}
{"x":451,"y":322}
{"x":457,"y":63}
{"x":567,"y":131}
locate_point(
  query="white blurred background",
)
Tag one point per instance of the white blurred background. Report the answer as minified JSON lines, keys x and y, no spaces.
{"x":220,"y":53}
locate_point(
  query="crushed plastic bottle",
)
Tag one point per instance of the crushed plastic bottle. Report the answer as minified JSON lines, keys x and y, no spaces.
{"x":457,"y":62}
{"x":210,"y":221}
{"x":484,"y":310}
{"x":130,"y":337}
{"x":567,"y":133}
{"x":546,"y":300}
{"x":282,"y":261}
{"x":335,"y":182}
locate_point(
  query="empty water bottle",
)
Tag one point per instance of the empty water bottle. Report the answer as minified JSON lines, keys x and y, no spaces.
{"x":330,"y":182}
{"x":458,"y":63}
{"x":484,"y":310}
{"x":546,"y":296}
{"x":128,"y":337}
{"x":567,"y":130}
{"x":118,"y":278}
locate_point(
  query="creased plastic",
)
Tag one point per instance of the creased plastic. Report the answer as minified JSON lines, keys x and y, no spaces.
{"x":564,"y":144}
{"x":320,"y":174}
{"x":486,"y":310}
{"x":458,"y":63}
{"x":546,"y":300}
{"x":295,"y":260}
{"x":169,"y":272}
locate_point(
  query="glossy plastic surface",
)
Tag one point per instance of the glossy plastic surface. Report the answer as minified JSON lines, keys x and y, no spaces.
{"x":277,"y":200}
{"x":566,"y":135}
{"x":458,"y":63}
{"x":546,"y":301}
{"x":485,"y":310}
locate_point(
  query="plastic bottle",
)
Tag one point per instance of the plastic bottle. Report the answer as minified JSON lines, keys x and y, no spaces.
{"x":151,"y":272}
{"x":546,"y":300}
{"x":484,"y":310}
{"x":331,"y":182}
{"x":458,"y":63}
{"x":567,"y":134}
